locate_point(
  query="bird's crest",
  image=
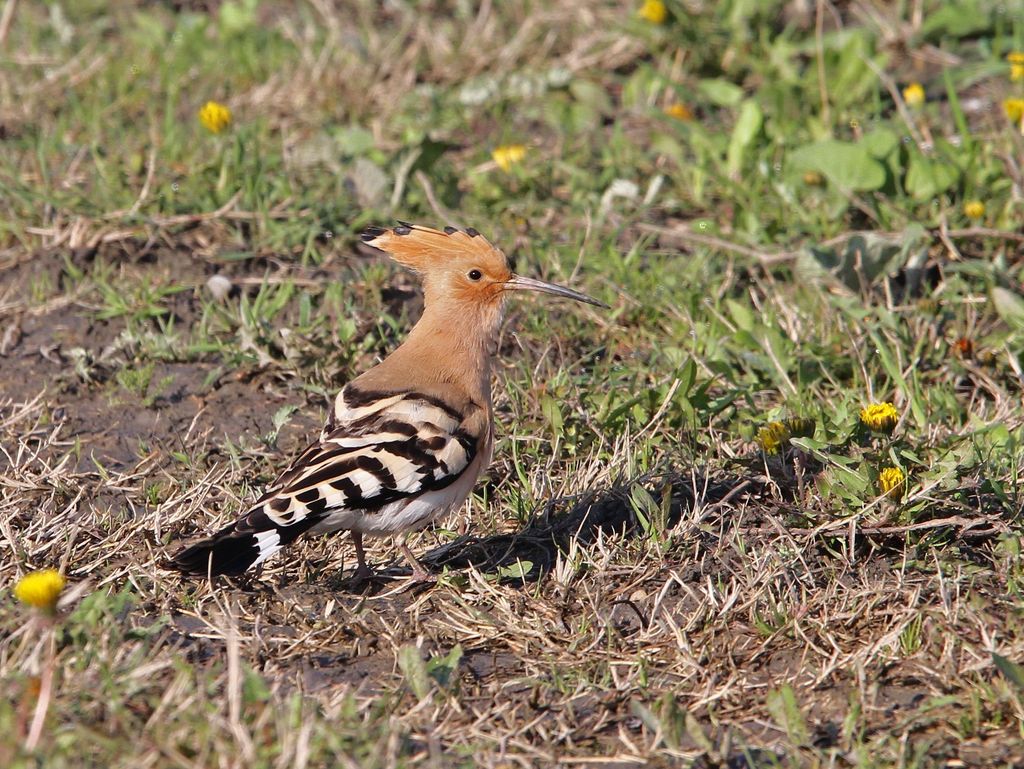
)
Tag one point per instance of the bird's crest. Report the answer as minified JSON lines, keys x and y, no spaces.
{"x":420,"y":247}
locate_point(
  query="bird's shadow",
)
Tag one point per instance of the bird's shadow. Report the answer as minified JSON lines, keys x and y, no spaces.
{"x":527,"y":555}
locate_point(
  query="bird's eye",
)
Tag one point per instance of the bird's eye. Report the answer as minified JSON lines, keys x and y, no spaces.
{"x":475,"y":274}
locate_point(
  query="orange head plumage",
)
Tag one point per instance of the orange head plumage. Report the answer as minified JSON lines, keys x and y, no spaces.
{"x":459,"y":265}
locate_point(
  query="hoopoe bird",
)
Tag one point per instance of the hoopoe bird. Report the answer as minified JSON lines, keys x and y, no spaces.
{"x":406,"y":441}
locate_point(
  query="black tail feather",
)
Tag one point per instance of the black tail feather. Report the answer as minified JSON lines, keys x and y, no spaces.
{"x":226,"y":552}
{"x":235,"y":548}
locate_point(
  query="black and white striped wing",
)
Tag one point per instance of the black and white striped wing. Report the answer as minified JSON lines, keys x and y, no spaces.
{"x":395,"y":447}
{"x":401,"y":450}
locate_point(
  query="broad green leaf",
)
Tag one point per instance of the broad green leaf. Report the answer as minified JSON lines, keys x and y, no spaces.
{"x":741,"y":315}
{"x":444,"y":669}
{"x":880,"y":143}
{"x":414,"y":669}
{"x":848,"y":165}
{"x":237,"y":15}
{"x":748,"y":123}
{"x":869,"y":257}
{"x":1009,"y":306}
{"x":552,"y":413}
{"x":721,"y":92}
{"x":518,"y":570}
{"x":956,"y":20}
{"x":927,"y":178}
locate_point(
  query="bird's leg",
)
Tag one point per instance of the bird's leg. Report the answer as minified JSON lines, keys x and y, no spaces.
{"x":419,"y":572}
{"x":363,"y":571}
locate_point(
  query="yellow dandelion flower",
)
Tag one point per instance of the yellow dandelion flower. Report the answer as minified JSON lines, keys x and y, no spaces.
{"x":913,"y":95}
{"x":1014,"y":109}
{"x":40,"y":589}
{"x":679,"y":111}
{"x":215,"y":116}
{"x":880,"y":417}
{"x":772,"y":437}
{"x":508,"y":155}
{"x":974,"y":209}
{"x":653,"y":11}
{"x":1016,"y":59}
{"x":892,"y":483}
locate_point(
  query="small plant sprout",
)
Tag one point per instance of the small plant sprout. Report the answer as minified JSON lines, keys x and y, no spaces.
{"x":880,"y":417}
{"x":215,"y":117}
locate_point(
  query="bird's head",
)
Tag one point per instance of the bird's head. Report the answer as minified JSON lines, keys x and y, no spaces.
{"x":459,"y":266}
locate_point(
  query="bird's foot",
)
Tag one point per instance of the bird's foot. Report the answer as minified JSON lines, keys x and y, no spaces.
{"x":420,"y":576}
{"x":363,"y":573}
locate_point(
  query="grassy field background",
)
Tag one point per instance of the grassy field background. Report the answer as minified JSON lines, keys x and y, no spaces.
{"x":786,"y":228}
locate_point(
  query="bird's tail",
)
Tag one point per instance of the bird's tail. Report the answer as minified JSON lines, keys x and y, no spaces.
{"x":240,"y":545}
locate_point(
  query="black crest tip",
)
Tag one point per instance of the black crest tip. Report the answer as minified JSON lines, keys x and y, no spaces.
{"x":450,"y":230}
{"x":405,"y":224}
{"x":472,"y":232}
{"x":404,"y":229}
{"x":371,"y":233}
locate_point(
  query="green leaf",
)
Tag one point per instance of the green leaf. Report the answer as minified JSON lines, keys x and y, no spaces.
{"x":696,"y":733}
{"x":956,"y":20}
{"x":354,"y":140}
{"x":443,"y":669}
{"x":591,"y":94}
{"x":880,"y":143}
{"x":552,"y":413}
{"x":747,"y":126}
{"x":1009,"y":306}
{"x":280,"y":417}
{"x":687,"y":376}
{"x":254,"y":687}
{"x":863,"y":256}
{"x":519,"y":570}
{"x":415,"y":670}
{"x":848,"y":165}
{"x":786,"y":713}
{"x":1013,"y":672}
{"x":721,"y":92}
{"x":741,"y":315}
{"x":237,"y":15}
{"x":956,"y":108}
{"x":928,"y":178}
{"x":645,"y":508}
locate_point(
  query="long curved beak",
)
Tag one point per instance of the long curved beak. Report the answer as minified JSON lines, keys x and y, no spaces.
{"x":519,"y":283}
